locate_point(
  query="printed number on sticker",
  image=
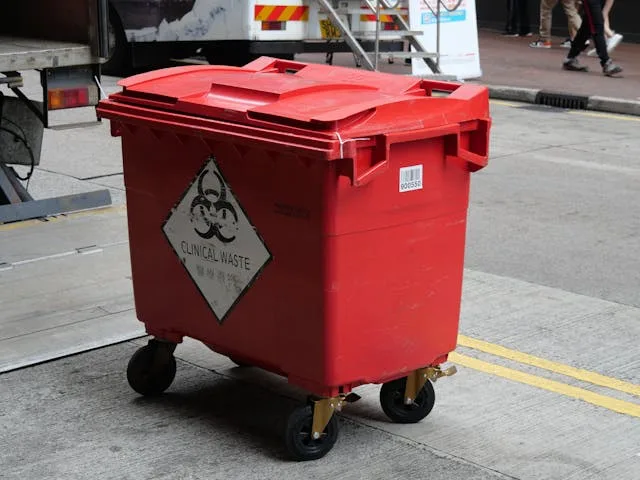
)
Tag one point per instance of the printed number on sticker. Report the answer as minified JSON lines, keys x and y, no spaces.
{"x":411,"y":178}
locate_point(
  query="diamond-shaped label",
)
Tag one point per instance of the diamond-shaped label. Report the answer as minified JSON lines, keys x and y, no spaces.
{"x":215,"y":241}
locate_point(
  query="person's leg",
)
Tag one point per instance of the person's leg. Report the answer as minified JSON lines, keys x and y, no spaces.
{"x":592,"y":25}
{"x":510,"y":27}
{"x":546,"y":15}
{"x":595,"y":23}
{"x":578,"y":44}
{"x":523,"y":15}
{"x":573,"y":16}
{"x":579,"y":41}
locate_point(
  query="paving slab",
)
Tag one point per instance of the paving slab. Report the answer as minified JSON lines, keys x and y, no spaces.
{"x":520,"y":430}
{"x":77,"y":418}
{"x":48,"y":184}
{"x":66,"y":287}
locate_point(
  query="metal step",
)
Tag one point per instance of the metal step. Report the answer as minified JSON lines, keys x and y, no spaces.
{"x":355,"y":38}
{"x":408,"y":55}
{"x":367,"y":11}
{"x":352,"y":41}
{"x":402,"y":23}
{"x":386,"y":34}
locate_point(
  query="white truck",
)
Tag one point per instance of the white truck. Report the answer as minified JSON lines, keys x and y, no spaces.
{"x":65,"y":41}
{"x":233,"y":32}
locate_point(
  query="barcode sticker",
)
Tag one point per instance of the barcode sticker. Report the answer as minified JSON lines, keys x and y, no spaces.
{"x":411,"y":178}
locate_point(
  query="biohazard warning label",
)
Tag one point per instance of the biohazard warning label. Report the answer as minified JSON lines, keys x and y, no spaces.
{"x":216,"y":242}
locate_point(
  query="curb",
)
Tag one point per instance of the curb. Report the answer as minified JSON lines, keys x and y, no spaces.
{"x":541,"y":97}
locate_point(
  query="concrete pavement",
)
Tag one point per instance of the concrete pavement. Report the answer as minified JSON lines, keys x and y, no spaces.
{"x":77,"y":418}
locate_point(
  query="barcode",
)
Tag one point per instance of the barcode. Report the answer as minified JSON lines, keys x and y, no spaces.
{"x":411,"y":178}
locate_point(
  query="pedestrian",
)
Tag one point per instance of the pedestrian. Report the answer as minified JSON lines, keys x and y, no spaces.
{"x":613,"y":38}
{"x":546,"y":10}
{"x":517,"y":19}
{"x":592,"y":26}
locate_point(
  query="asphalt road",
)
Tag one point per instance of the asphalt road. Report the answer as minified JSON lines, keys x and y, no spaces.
{"x":549,"y":371}
{"x":559,"y":198}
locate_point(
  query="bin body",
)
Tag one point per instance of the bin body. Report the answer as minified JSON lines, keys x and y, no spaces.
{"x":335,"y":248}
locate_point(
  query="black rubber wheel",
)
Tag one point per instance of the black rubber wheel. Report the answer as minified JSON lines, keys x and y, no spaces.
{"x":151,"y":370}
{"x":300,"y":445}
{"x":239,"y":363}
{"x":392,"y":401}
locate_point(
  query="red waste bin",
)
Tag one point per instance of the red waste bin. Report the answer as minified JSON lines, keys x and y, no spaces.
{"x":302,"y":218}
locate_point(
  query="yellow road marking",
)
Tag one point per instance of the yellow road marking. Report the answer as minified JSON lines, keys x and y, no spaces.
{"x":609,"y":403}
{"x":525,"y":358}
{"x":84,"y":213}
{"x":611,"y":116}
{"x":505,"y":103}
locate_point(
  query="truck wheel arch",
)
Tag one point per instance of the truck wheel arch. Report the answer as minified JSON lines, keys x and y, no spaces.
{"x":119,"y":61}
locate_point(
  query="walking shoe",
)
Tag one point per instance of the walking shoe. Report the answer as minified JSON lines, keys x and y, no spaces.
{"x":573,"y":65}
{"x":612,"y":43}
{"x":540,"y":44}
{"x":567,"y":43}
{"x":510,"y":34}
{"x":610,"y":69}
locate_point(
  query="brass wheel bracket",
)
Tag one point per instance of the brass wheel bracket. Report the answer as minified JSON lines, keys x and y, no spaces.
{"x":325,"y":408}
{"x":417,"y":379}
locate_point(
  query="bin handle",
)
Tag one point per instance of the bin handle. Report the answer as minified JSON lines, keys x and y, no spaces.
{"x":266,"y":64}
{"x":452,"y":148}
{"x":424,"y":134}
{"x":361,"y":178}
{"x":450,"y":131}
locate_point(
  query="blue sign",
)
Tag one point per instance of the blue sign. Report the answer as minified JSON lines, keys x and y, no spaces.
{"x":429,"y":18}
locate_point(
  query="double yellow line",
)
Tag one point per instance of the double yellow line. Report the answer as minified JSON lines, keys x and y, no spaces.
{"x":610,"y":403}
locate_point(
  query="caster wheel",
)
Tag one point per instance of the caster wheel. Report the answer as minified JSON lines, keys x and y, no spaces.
{"x":299,"y":442}
{"x":392,"y":402}
{"x":151,"y":369}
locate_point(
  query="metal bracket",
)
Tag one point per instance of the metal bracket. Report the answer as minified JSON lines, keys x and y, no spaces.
{"x":324,"y":409}
{"x":18,"y":208}
{"x":165,"y":347}
{"x":12,"y":79}
{"x":417,"y":379}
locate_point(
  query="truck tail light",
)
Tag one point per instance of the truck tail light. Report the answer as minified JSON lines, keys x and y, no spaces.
{"x":274,"y":25}
{"x":73,"y":97}
{"x":70,"y":87}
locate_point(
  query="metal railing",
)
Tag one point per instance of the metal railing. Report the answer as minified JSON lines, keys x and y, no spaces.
{"x":388,"y":4}
{"x":377,"y":7}
{"x":439,"y":6}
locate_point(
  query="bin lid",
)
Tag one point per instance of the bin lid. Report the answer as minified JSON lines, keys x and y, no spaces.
{"x":321,"y":96}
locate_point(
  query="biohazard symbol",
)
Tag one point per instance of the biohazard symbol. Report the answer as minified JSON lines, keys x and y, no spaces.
{"x":211,"y":213}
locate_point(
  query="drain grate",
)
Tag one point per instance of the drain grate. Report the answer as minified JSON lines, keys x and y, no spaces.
{"x":562,"y":100}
